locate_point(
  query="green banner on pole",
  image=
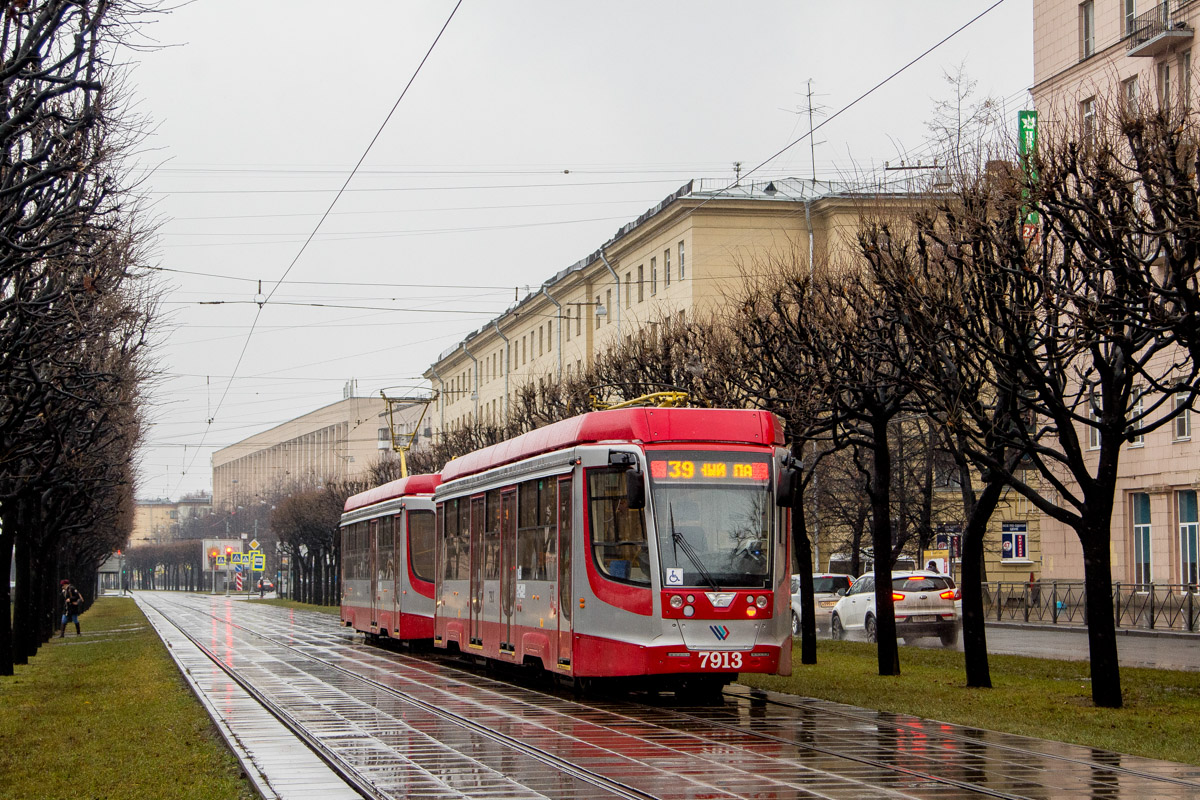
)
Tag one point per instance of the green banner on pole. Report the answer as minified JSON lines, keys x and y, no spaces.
{"x":1027,"y":129}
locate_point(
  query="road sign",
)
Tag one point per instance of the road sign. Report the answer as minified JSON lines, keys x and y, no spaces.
{"x":220,"y":561}
{"x":254,"y":544}
{"x":238,"y":580}
{"x":258,"y":561}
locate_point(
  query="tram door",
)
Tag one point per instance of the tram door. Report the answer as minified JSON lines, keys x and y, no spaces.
{"x":564,"y":571}
{"x":373,"y":551}
{"x":508,"y":566}
{"x":477,"y":558}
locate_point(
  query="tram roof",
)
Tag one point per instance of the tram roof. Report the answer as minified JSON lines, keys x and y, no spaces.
{"x":643,"y":425}
{"x":413,"y":484}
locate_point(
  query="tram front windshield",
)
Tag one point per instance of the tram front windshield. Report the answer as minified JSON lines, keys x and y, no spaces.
{"x":713,"y":520}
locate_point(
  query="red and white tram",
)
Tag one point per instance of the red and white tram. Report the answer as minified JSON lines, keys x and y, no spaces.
{"x":387,"y":540}
{"x":551,"y":550}
{"x":641,"y":542}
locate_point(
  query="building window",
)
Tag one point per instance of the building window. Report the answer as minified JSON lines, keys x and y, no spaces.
{"x":653,"y":276}
{"x":628,"y":289}
{"x":1183,"y":422}
{"x":568,"y":324}
{"x":1185,"y":80}
{"x":597,"y":311}
{"x":1087,"y":29}
{"x":578,"y":321}
{"x":541,"y":341}
{"x":1189,"y":526}
{"x":1141,"y":538}
{"x":1164,"y":85}
{"x":1130,"y":16}
{"x":681,"y":275}
{"x":1129,"y":94}
{"x":667,"y":268}
{"x":549,"y":337}
{"x":641,"y":284}
{"x":1014,"y":541}
{"x":1094,"y":422}
{"x":1087,"y":116}
{"x":1135,"y":413}
{"x":608,"y":309}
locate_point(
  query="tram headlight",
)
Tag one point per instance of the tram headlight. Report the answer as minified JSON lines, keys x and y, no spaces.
{"x":676,"y":601}
{"x":691,"y":598}
{"x":688,"y":611}
{"x":761,"y":601}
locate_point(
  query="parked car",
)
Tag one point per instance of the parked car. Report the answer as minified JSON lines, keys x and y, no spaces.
{"x":825,"y":597}
{"x":926,"y":605}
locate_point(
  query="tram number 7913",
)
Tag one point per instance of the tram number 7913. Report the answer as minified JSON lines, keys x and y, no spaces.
{"x":721,"y":660}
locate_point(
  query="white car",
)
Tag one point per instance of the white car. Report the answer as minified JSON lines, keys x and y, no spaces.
{"x":925,"y":605}
{"x":825,"y":597}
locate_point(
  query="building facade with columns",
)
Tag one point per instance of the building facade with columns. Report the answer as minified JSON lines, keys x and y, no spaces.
{"x":1089,"y":56}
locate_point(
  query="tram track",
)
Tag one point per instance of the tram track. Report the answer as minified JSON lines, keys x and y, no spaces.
{"x":880,"y":719}
{"x":702,"y":726}
{"x":346,"y":770}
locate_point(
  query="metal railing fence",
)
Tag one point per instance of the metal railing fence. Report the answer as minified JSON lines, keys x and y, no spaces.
{"x":1153,"y":606}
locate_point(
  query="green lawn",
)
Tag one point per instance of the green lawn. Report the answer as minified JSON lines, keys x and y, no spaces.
{"x":1030,"y":696}
{"x":107,"y":715}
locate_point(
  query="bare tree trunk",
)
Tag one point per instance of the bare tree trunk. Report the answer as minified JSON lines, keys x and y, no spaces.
{"x":804,"y":563}
{"x":881,"y":541}
{"x":975,"y":655}
{"x":1102,"y":631}
{"x":7,"y":539}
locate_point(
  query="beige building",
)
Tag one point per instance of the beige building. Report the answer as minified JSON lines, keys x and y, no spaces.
{"x":338,"y":442}
{"x":1086,"y":54}
{"x":685,"y":256}
{"x":160,"y":519}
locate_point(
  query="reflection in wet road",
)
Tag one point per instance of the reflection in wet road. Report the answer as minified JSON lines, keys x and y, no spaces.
{"x":420,"y":728}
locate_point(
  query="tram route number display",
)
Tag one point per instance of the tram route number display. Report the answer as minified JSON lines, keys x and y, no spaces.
{"x":720,"y":659}
{"x":682,"y":470}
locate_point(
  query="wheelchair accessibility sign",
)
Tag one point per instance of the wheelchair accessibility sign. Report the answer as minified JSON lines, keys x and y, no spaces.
{"x":674,"y":576}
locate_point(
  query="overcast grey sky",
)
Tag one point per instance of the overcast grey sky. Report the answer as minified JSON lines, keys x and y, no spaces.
{"x":532,"y":133}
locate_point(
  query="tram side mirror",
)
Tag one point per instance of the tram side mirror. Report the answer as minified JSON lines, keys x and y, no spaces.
{"x":635,"y":489}
{"x":788,"y":487}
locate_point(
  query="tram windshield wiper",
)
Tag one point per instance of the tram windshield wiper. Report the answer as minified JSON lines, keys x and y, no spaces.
{"x":680,"y":542}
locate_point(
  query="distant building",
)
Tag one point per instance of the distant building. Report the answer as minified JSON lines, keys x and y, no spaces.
{"x":159,"y":519}
{"x":338,"y":442}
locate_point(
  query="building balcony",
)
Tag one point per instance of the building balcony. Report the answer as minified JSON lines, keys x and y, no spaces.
{"x":1156,"y":31}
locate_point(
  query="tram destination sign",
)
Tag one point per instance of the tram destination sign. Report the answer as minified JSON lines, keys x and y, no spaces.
{"x":696,"y":470}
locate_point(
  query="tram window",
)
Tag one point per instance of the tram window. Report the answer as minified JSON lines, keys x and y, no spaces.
{"x":536,"y":546}
{"x":564,"y":540}
{"x":463,"y":570}
{"x":449,"y":524}
{"x":420,"y":543}
{"x":489,"y":539}
{"x":385,"y":563}
{"x":618,"y":533}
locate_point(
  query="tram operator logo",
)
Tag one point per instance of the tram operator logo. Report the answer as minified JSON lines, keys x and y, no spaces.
{"x":719,"y":631}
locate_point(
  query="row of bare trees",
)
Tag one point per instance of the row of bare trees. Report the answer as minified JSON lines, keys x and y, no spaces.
{"x":74,"y":309}
{"x":954,"y":342}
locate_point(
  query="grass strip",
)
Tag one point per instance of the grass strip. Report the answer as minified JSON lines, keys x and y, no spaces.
{"x":107,"y":715}
{"x":1030,"y":696}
